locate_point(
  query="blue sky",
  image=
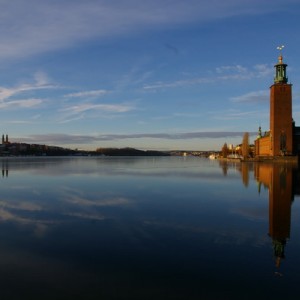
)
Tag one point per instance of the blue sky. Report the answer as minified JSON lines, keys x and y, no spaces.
{"x":159,"y":74}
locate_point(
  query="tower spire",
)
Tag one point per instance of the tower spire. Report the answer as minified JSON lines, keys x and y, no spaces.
{"x":280,"y":75}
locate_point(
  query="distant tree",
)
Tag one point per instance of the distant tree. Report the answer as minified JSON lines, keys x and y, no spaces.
{"x":225,"y":150}
{"x":245,"y":145}
{"x":129,"y":152}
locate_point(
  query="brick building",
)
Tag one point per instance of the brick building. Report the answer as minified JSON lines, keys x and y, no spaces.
{"x":283,"y":138}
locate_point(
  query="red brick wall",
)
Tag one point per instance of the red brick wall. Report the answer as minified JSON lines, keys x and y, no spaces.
{"x":281,"y":117}
{"x":263,"y":146}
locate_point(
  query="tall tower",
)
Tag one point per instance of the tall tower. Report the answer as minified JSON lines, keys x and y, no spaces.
{"x":281,"y":122}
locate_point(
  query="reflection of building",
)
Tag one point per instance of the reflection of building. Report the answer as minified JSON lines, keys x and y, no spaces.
{"x":283,"y":137}
{"x":279,"y":180}
{"x":4,"y":169}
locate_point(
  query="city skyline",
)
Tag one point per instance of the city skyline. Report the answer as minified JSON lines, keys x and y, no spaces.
{"x":156,"y":75}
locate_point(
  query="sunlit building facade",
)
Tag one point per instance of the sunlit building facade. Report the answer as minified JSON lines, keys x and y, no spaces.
{"x":283,"y":138}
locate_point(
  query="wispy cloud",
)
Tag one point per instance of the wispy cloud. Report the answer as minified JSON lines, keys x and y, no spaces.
{"x":177,"y":83}
{"x":8,"y":96}
{"x":231,"y":69}
{"x":237,"y":115}
{"x":26,"y":103}
{"x":18,"y":122}
{"x":242,"y":72}
{"x":222,"y":73}
{"x":81,"y":110}
{"x":40,"y":82}
{"x":36,"y":26}
{"x":253,"y":97}
{"x":87,"y":94}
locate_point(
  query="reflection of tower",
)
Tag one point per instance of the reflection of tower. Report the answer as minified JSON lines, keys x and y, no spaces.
{"x":280,"y":200}
{"x":281,"y":122}
{"x":278,"y":178}
{"x":4,"y":169}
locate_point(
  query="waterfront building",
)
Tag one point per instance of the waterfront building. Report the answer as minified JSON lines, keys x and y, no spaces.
{"x":5,"y":140}
{"x":283,"y":138}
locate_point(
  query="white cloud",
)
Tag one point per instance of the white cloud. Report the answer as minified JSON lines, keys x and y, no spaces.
{"x":237,"y":115}
{"x":178,"y":83}
{"x":26,"y":103}
{"x":253,"y":97}
{"x":112,"y":108}
{"x":87,"y":94}
{"x":9,"y":96}
{"x":18,"y":122}
{"x":222,"y":73}
{"x":84,"y":110}
{"x":33,"y":26}
{"x":6,"y":93}
{"x":240,"y":72}
{"x":231,"y":69}
{"x":41,"y":81}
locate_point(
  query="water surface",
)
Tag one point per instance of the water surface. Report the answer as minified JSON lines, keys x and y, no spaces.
{"x":148,"y":228}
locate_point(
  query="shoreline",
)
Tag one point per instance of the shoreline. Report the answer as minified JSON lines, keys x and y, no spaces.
{"x":266,"y":159}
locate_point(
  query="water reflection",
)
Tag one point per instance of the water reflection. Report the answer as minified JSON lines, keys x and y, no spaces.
{"x":282,"y":182}
{"x":279,"y":180}
{"x":4,"y":168}
{"x":169,"y":228}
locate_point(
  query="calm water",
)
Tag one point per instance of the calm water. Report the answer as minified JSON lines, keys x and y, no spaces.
{"x":148,"y":228}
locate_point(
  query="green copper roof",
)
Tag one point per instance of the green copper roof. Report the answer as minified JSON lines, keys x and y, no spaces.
{"x":280,"y":75}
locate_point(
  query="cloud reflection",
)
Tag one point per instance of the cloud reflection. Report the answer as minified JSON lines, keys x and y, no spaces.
{"x":62,"y":191}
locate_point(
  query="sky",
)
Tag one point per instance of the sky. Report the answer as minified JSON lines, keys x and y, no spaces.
{"x":151,"y":74}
